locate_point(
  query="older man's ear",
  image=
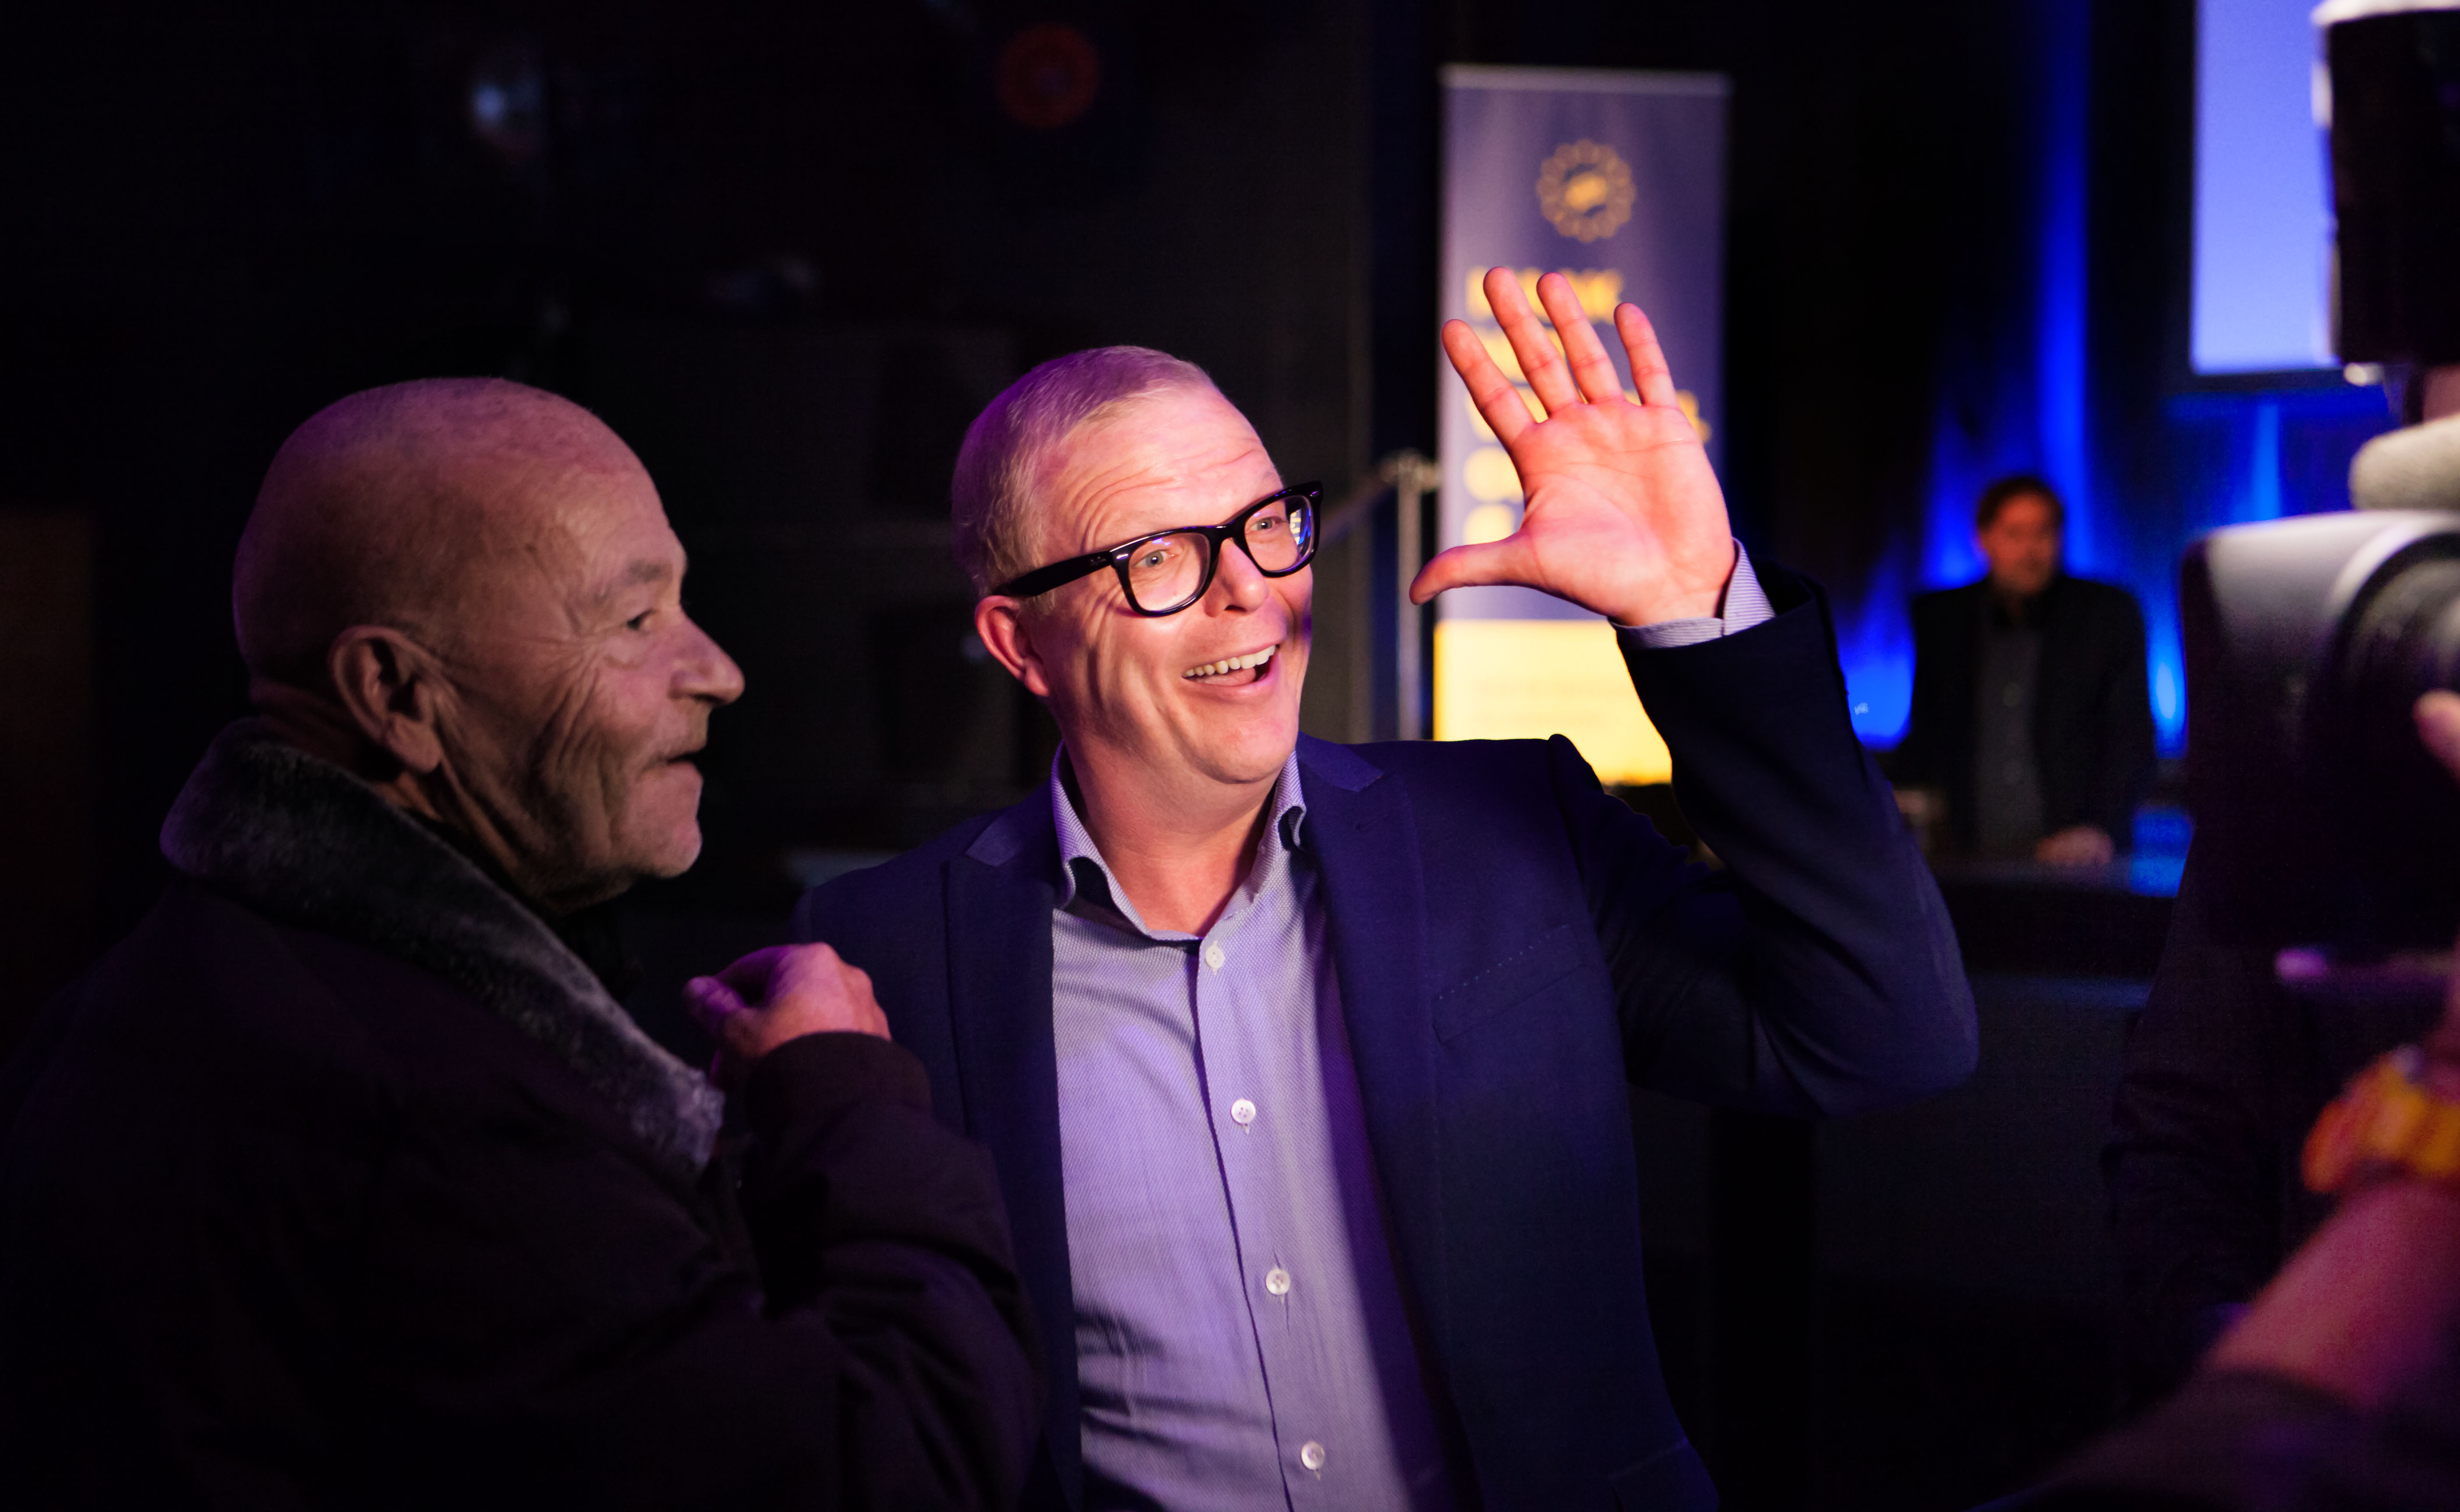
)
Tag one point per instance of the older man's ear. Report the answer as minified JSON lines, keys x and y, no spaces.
{"x":392,"y":690}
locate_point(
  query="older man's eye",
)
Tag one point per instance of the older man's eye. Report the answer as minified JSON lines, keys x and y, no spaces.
{"x":639,"y":621}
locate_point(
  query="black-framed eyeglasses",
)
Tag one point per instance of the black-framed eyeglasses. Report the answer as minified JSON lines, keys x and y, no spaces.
{"x":1170,"y":569}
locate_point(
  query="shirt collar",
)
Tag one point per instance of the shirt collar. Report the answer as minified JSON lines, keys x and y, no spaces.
{"x":1284,"y":836}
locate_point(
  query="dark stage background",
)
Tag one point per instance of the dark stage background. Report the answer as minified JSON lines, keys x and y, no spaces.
{"x":788,"y":250}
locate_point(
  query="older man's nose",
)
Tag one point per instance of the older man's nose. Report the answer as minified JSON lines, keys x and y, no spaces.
{"x":707,"y":671}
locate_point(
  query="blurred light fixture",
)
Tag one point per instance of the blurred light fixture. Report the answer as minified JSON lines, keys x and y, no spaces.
{"x":508,"y":104}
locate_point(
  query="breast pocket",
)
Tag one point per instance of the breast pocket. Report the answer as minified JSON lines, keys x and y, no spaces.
{"x":1526,"y":973}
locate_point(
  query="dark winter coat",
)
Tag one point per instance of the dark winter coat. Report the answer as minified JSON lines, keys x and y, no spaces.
{"x":343,"y":1182}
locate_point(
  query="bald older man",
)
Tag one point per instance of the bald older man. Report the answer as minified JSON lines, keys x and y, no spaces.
{"x":346,"y":1181}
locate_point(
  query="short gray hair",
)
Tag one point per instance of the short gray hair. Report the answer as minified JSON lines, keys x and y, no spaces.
{"x":991,"y":497}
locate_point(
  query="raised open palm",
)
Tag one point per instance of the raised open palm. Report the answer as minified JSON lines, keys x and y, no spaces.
{"x":1621,"y":513}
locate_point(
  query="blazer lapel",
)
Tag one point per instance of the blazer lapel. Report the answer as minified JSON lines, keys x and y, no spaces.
{"x":1001,"y":894}
{"x":1364,"y":835}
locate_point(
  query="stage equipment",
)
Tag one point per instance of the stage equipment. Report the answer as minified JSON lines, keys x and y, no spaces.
{"x":2395,"y":117}
{"x":2319,"y":813}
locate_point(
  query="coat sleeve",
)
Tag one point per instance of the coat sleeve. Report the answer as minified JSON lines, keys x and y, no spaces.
{"x":2230,"y":1440}
{"x":558,"y":1330}
{"x":868,"y":1212}
{"x":1819,"y":974}
{"x":2234,"y":1441}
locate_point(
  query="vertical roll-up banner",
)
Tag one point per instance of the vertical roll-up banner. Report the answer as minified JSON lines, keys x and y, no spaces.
{"x":1618,"y":180}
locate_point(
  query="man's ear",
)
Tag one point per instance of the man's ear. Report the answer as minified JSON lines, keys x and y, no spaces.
{"x":1001,"y":622}
{"x":392,"y":691}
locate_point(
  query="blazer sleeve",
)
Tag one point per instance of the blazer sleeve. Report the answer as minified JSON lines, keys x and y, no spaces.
{"x":1819,"y":974}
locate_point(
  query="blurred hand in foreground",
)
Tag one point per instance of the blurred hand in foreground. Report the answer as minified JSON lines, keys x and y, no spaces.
{"x":2371,"y":1303}
{"x":2438,"y":725}
{"x":777,"y":995}
{"x":1623,"y":514}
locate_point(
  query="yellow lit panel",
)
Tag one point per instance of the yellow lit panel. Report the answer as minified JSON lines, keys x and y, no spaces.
{"x":1528,"y":679}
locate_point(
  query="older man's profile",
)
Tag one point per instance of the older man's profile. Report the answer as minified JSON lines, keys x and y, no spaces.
{"x":345,"y":1179}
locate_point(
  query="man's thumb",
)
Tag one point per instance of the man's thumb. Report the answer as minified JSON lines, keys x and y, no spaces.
{"x":1504,"y":560}
{"x":708,"y":1000}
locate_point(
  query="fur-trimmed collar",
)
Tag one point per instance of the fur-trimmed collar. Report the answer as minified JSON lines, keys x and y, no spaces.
{"x":301,"y":840}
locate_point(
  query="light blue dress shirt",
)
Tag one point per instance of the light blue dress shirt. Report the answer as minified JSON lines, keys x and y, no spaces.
{"x":1746,"y":604}
{"x":1241,"y":1338}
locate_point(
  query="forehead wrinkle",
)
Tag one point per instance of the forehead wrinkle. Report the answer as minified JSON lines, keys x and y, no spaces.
{"x":645,"y":572}
{"x":1143,"y":469}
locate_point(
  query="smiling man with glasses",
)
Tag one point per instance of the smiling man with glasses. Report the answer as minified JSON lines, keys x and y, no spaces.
{"x":1305,"y":1066}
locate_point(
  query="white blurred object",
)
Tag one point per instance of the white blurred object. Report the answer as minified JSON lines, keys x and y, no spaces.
{"x":2414,"y":468}
{"x":2332,"y":13}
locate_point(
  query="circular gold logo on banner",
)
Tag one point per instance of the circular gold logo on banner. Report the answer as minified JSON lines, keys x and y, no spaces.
{"x":1586,"y":190}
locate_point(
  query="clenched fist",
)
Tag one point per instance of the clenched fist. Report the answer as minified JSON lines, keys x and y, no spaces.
{"x":777,"y":995}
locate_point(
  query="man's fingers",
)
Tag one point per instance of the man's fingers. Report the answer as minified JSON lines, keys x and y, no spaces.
{"x":1591,"y":368}
{"x":751,"y":974}
{"x":1488,"y":389}
{"x":1504,"y":560}
{"x":710,"y":1001}
{"x":805,"y":967}
{"x":1650,"y":374}
{"x":1539,"y":362}
{"x":2438,"y":725}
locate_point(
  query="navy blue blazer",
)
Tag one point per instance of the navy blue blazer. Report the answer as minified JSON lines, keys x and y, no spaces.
{"x":1514,"y":946}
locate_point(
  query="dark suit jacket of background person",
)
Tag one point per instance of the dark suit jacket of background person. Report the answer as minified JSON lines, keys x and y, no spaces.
{"x":289,"y":1221}
{"x":1512,"y":946}
{"x":2092,"y":714}
{"x":2224,"y":1074}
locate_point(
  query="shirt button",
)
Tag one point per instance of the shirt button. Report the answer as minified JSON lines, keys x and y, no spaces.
{"x":1311,"y":1455}
{"x":1277,"y":1280}
{"x":1242,"y":1112}
{"x":1215,"y":955}
{"x":2013,"y":696}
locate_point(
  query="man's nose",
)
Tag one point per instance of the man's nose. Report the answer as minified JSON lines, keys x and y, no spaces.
{"x":705,"y":671}
{"x":1238,"y":581}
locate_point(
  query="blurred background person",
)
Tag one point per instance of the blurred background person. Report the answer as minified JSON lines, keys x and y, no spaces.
{"x":2030,"y":709}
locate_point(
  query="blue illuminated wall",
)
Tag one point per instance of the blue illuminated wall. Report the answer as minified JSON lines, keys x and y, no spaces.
{"x":2141,"y":477}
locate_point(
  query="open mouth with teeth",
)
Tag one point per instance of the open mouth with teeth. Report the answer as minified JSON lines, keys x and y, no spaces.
{"x":1233,"y":669}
